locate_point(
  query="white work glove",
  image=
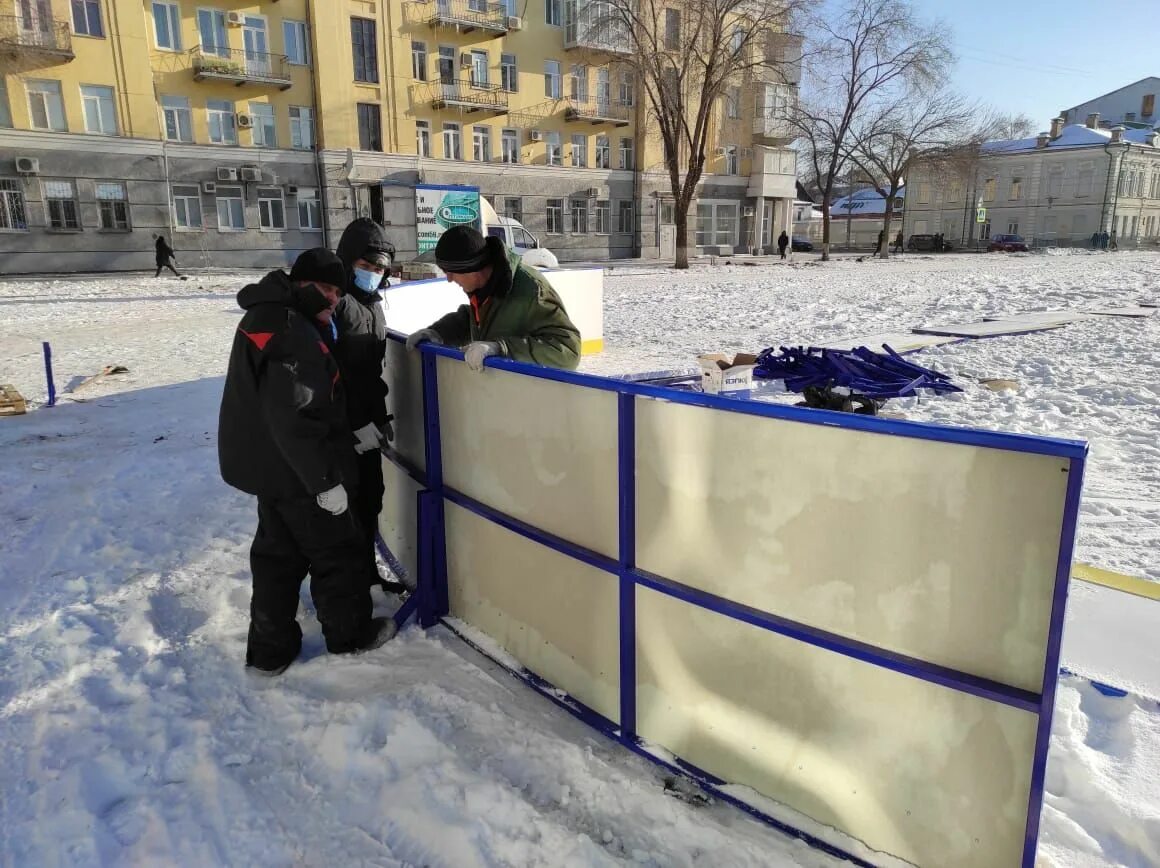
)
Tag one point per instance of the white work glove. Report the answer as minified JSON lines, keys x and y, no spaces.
{"x":369,"y":437}
{"x":418,"y":337}
{"x":333,"y":501}
{"x":476,"y":351}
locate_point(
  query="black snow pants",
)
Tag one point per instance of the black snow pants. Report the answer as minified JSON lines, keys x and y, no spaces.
{"x":367,"y":502}
{"x":296,"y":536}
{"x":165,"y":263}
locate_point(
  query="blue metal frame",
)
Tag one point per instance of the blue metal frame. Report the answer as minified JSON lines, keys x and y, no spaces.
{"x":433,"y":602}
{"x":48,"y":373}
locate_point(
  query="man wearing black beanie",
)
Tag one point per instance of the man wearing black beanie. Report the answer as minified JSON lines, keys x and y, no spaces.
{"x":512,"y":310}
{"x":283,"y":436}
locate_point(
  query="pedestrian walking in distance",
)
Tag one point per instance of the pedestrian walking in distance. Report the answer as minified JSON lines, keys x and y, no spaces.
{"x":165,"y":257}
{"x":782,"y":243}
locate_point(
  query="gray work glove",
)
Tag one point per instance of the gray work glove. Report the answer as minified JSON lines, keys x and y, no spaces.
{"x":418,"y":337}
{"x":333,"y":501}
{"x":476,"y":351}
{"x":369,"y":437}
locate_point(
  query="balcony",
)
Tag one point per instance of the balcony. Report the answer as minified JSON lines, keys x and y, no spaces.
{"x":598,"y":112}
{"x":774,"y":129}
{"x":782,"y":59}
{"x":241,"y":66}
{"x":35,"y":38}
{"x":591,"y":26}
{"x":467,"y":15}
{"x":466,"y":97}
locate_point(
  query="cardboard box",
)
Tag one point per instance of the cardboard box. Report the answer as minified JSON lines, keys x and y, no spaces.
{"x":720,"y":373}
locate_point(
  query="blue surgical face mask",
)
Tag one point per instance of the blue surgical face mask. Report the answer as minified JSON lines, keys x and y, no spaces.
{"x":367,"y":281}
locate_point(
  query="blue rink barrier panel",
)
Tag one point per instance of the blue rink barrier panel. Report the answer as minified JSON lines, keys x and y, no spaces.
{"x":858,"y":619}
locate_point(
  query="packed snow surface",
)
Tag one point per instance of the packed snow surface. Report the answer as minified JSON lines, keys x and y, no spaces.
{"x":132,"y":736}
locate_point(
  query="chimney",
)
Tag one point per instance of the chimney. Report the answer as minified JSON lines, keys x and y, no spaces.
{"x":1042,"y":140}
{"x":1117,"y":134}
{"x":1057,"y":127}
{"x":1093,"y":121}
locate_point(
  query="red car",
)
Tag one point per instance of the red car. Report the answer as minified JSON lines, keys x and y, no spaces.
{"x":1008,"y":244}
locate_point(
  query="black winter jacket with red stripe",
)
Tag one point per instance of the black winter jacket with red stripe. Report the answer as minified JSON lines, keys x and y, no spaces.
{"x":283,"y":429}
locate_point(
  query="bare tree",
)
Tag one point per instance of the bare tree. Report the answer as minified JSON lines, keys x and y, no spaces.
{"x":686,"y":54}
{"x":1009,"y":126}
{"x":858,"y":56}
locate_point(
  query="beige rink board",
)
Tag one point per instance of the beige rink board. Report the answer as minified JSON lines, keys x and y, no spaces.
{"x":404,"y":376}
{"x":557,"y":616}
{"x":399,"y":519}
{"x":538,"y":450}
{"x":940,"y":551}
{"x":922,"y":772}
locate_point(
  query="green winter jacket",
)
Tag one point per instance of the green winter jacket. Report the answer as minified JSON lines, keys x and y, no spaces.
{"x":524,"y":316}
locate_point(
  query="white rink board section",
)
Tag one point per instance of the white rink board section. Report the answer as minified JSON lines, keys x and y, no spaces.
{"x":538,"y":450}
{"x":925,"y":773}
{"x":940,"y":551}
{"x":403,"y":372}
{"x":399,"y":519}
{"x":557,"y":616}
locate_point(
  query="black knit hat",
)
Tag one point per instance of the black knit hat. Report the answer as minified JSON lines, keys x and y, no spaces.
{"x":462,"y":250}
{"x":320,"y":266}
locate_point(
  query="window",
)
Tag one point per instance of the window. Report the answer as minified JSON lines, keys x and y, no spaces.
{"x":513,"y":208}
{"x":989,"y":190}
{"x":1012,"y":228}
{"x":672,"y":29}
{"x":954,"y":191}
{"x":481,"y":144}
{"x":1016,"y":188}
{"x":12,"y":213}
{"x":45,"y":106}
{"x":579,"y":216}
{"x":624,"y":216}
{"x":737,"y":40}
{"x":478,"y":68}
{"x":1055,"y":183}
{"x":166,"y":26}
{"x":112,"y":206}
{"x":553,"y":150}
{"x":187,"y":208}
{"x":578,"y":83}
{"x":733,"y":102}
{"x":265,"y":129}
{"x":296,"y":38}
{"x":271,"y":209}
{"x":508,"y":73}
{"x":923,"y":197}
{"x":1083,"y":184}
{"x":602,"y":212}
{"x":509,"y":144}
{"x":555,"y":216}
{"x":301,"y":127}
{"x":552,"y":83}
{"x":626,"y":153}
{"x":370,"y":127}
{"x":423,"y":138}
{"x":60,"y":203}
{"x":626,"y":89}
{"x":580,"y":150}
{"x":86,"y":18}
{"x":603,"y":89}
{"x":211,"y":30}
{"x":716,"y":224}
{"x":603,"y":153}
{"x":5,"y":109}
{"x":222,"y":122}
{"x":668,"y":213}
{"x":984,"y":231}
{"x":446,"y":64}
{"x":100,"y":113}
{"x":1148,"y":105}
{"x":364,"y":45}
{"x":730,"y":159}
{"x":309,"y":208}
{"x":231,"y":212}
{"x":554,"y":13}
{"x":452,"y":146}
{"x":178,"y":119}
{"x":418,"y":60}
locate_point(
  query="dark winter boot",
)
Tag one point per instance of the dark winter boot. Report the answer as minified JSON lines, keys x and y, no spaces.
{"x":379,"y":633}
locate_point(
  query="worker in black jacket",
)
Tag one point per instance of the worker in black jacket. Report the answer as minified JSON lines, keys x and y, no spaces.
{"x":362,"y":344}
{"x":283,"y":436}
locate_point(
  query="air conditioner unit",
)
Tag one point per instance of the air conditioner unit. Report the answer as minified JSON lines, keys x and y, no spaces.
{"x":514,"y":22}
{"x":227,"y":174}
{"x":747,"y":211}
{"x":720,"y":152}
{"x":291,"y":189}
{"x":251,"y":173}
{"x":593,"y":192}
{"x":235,"y":19}
{"x":28,"y":165}
{"x":534,"y":135}
{"x":465,"y":60}
{"x":245,"y":121}
{"x":209,"y":187}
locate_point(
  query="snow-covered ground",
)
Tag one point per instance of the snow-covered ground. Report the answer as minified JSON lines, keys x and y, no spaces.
{"x":131,"y":736}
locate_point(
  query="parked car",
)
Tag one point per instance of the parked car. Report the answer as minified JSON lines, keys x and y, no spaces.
{"x":1008,"y":244}
{"x":801,"y":245}
{"x":927,"y":242}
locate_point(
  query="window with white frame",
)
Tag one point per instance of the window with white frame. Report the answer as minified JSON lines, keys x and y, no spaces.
{"x":479,"y":76}
{"x":626,"y":156}
{"x":265,"y":129}
{"x":1084,"y":181}
{"x":730,"y":159}
{"x":627,"y":89}
{"x":509,"y":76}
{"x":452,"y":144}
{"x":13,"y":214}
{"x":923,"y":197}
{"x":578,"y":82}
{"x":603,"y":153}
{"x":580,"y":150}
{"x":178,"y":118}
{"x":100,"y":109}
{"x":733,"y":102}
{"x":231,"y":209}
{"x":423,"y":138}
{"x":309,"y":208}
{"x":301,"y":127}
{"x":668,"y":213}
{"x":1016,"y":188}
{"x":555,"y":210}
{"x":5,"y":108}
{"x":603,"y":89}
{"x":112,"y":206}
{"x":554,"y":12}
{"x":296,"y":38}
{"x":187,"y":208}
{"x":60,"y":205}
{"x":984,"y":231}
{"x":418,"y":60}
{"x":222,"y":122}
{"x":578,"y":216}
{"x":509,"y":145}
{"x":86,"y":18}
{"x":624,"y":216}
{"x":1055,"y":182}
{"x":271,"y":209}
{"x":45,"y":105}
{"x":716,"y":224}
{"x":602,"y":211}
{"x":553,"y":150}
{"x":553,"y":86}
{"x":989,"y":186}
{"x":1013,"y":228}
{"x":481,"y":144}
{"x":166,"y":26}
{"x":211,"y":30}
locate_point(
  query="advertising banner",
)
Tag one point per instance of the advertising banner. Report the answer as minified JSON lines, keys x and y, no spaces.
{"x":439,"y":207}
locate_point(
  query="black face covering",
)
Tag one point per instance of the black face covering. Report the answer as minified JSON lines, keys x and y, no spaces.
{"x":308,"y":299}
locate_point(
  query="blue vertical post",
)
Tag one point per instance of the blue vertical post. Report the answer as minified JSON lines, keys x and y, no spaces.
{"x":433,"y":450}
{"x":626,"y":460}
{"x":48,"y":374}
{"x":425,"y":581}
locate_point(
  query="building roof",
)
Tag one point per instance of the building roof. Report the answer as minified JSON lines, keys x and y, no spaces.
{"x":1073,"y":136}
{"x":1087,"y":102}
{"x":863,"y":203}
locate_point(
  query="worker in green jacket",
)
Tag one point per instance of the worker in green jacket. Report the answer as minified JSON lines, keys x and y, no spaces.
{"x":512,"y":310}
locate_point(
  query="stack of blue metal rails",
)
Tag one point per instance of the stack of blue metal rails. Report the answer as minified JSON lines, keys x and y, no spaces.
{"x":861,"y":370}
